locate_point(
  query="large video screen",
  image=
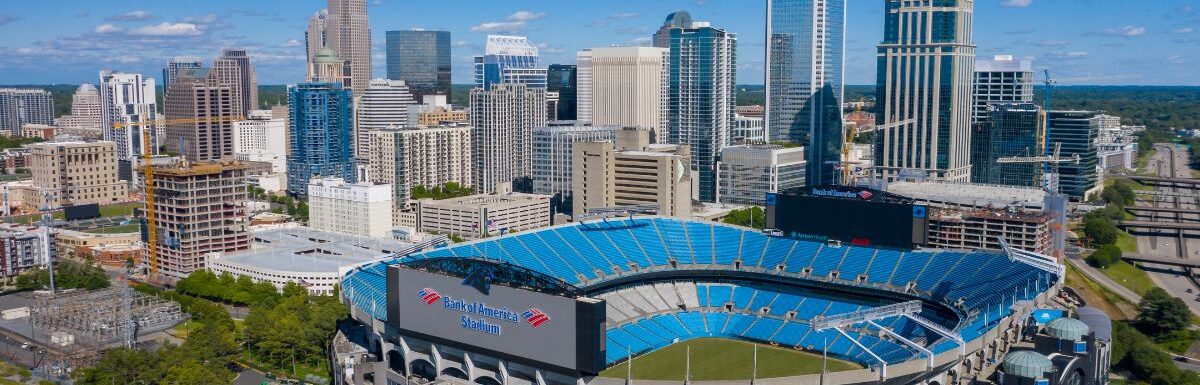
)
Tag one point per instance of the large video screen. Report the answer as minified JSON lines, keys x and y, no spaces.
{"x":76,"y":212}
{"x":518,"y":323}
{"x":856,"y":221}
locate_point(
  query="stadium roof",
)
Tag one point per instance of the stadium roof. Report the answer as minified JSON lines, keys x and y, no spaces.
{"x":303,"y":249}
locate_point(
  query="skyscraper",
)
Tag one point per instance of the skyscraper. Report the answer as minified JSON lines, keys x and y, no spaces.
{"x":201,"y":106}
{"x":551,"y":165}
{"x":702,"y":97}
{"x":804,"y":80}
{"x":19,"y":107}
{"x":384,"y":104}
{"x":349,"y":34}
{"x":562,"y":79}
{"x":1075,"y":132}
{"x":509,"y":60}
{"x":626,"y":86}
{"x":248,"y":80}
{"x":127,"y":99}
{"x":1011,"y":129}
{"x":1000,"y":80}
{"x":175,"y":64}
{"x":85,"y":110}
{"x":315,"y":39}
{"x":421,"y":59}
{"x":503,"y":117}
{"x":924,"y":70}
{"x":678,"y":19}
{"x":320,"y":134}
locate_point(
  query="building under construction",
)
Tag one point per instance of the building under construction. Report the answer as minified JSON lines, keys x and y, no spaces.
{"x":197,"y":211}
{"x":977,"y":216}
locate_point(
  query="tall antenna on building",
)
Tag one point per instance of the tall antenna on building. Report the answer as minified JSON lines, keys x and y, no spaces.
{"x":46,"y":238}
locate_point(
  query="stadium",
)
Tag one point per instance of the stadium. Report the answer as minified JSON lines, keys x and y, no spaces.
{"x":575,"y":303}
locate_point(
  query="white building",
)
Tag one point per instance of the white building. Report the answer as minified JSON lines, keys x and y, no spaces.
{"x":1117,"y":156}
{"x":552,"y":154}
{"x":745,"y":174}
{"x":131,"y":100}
{"x":631,"y":172}
{"x":481,"y":216}
{"x":749,"y":130}
{"x":309,"y":257}
{"x":419,"y":157}
{"x":624,"y":86}
{"x":358,"y":209}
{"x":261,"y":138}
{"x":384,"y":104}
{"x":503,"y":118}
{"x":1001,"y":79}
{"x":85,"y":110}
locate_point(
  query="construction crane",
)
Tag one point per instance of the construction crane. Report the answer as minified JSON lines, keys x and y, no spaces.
{"x":148,"y":174}
{"x":848,"y":142}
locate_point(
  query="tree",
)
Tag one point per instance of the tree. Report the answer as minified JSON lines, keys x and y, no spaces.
{"x":1105,"y":256}
{"x":1159,"y":313}
{"x":750,"y":217}
{"x":1100,"y":230}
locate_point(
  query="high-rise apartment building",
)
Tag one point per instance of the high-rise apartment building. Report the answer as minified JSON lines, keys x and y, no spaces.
{"x":201,"y":107}
{"x":384,"y":104}
{"x":625,"y":86}
{"x":85,"y":110}
{"x":678,"y":19}
{"x":1011,"y":129}
{"x":74,"y":172}
{"x":503,"y":117}
{"x":19,"y":107}
{"x":509,"y":60}
{"x":261,"y":137}
{"x":248,"y":79}
{"x":804,"y":82}
{"x":702,"y":97}
{"x":1001,"y":79}
{"x":562,"y":78}
{"x":631,"y":172}
{"x":315,"y":39}
{"x":348,"y":33}
{"x":129,"y":102}
{"x":552,"y":149}
{"x":925,"y":67}
{"x":421,"y":59}
{"x":198,"y":211}
{"x":747,"y":173}
{"x":320,"y":134}
{"x":1076,"y":133}
{"x":177,"y":63}
{"x":362,"y":209}
{"x":427,"y":157}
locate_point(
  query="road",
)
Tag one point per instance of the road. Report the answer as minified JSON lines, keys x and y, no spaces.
{"x":1171,"y":161}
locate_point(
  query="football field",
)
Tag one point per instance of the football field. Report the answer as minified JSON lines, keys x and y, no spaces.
{"x":722,"y":359}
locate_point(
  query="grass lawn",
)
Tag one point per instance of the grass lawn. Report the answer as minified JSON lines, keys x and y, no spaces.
{"x":721,"y":359}
{"x":1096,"y":296}
{"x":302,"y":369}
{"x":113,"y":210}
{"x":130,"y":228}
{"x":1129,"y":276}
{"x":1127,"y":243}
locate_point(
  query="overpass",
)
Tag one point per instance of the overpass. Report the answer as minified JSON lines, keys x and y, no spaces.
{"x":1162,"y":209}
{"x":1159,"y":225}
{"x":1163,"y":260}
{"x":1163,"y":180}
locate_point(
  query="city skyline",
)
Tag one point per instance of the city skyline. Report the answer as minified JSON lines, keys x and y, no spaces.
{"x":1124,"y":42}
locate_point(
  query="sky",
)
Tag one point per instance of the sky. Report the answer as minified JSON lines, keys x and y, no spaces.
{"x":1104,"y":42}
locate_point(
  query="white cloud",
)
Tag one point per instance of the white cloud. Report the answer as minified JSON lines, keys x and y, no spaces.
{"x":1016,"y":3}
{"x":515,"y":22}
{"x":1077,"y":54}
{"x":292,"y":43}
{"x":201,"y":19}
{"x":525,"y":16}
{"x":1183,"y":30}
{"x":624,"y":15}
{"x":5,"y":19}
{"x":135,"y":15}
{"x":1127,"y":31}
{"x":107,"y":28}
{"x":459,"y":43}
{"x":169,"y":29}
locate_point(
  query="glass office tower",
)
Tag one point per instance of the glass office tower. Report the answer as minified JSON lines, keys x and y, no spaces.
{"x":509,"y":60}
{"x":701,"y":93}
{"x":804,"y":80}
{"x":320,"y":134}
{"x":1012,"y":129}
{"x":562,"y":79}
{"x":1076,"y":131}
{"x":422,"y":60}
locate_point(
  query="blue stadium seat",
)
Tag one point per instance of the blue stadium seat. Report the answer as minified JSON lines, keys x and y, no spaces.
{"x":827,"y":260}
{"x":801,"y":256}
{"x":679,"y":246}
{"x":727,"y":242}
{"x":700,"y":235}
{"x":753,"y":245}
{"x":883,"y":265}
{"x":855,"y":262}
{"x":776,"y":252}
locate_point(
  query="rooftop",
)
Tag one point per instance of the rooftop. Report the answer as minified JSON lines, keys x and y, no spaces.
{"x":303,"y":249}
{"x":974,"y":195}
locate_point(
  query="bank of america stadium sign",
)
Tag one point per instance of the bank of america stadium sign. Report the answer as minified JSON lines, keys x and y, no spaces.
{"x":478,"y":316}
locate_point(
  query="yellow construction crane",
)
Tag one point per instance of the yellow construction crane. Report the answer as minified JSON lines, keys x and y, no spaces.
{"x":148,"y":174}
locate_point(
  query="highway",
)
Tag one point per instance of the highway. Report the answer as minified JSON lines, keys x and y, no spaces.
{"x":1170,"y":163}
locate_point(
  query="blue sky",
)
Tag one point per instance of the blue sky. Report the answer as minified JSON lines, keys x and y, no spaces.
{"x":1152,"y":42}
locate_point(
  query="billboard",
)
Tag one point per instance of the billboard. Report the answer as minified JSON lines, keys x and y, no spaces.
{"x":557,"y":332}
{"x":87,"y":211}
{"x":854,"y":215}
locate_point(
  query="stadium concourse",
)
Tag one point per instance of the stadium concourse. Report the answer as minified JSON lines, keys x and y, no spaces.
{"x":666,"y":280}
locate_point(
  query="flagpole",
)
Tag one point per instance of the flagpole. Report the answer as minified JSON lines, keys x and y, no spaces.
{"x":628,"y":366}
{"x":824,"y":356}
{"x":754,"y":373}
{"x":687,"y":368}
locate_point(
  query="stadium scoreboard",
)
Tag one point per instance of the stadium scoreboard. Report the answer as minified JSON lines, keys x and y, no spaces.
{"x":859,"y":216}
{"x":534,"y":328}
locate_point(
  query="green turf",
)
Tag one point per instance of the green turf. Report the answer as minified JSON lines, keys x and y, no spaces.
{"x":1129,"y":276}
{"x":119,"y":229}
{"x":721,"y":359}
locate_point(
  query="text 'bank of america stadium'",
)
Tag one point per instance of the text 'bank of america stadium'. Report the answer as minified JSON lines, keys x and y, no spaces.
{"x":561,"y":304}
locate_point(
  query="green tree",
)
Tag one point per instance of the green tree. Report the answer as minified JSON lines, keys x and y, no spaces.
{"x":1105,"y":256}
{"x":1100,"y":230}
{"x":1159,"y":313}
{"x":750,"y":217}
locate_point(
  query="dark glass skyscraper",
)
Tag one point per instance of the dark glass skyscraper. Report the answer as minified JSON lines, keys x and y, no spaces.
{"x":1011,"y":129}
{"x":421,"y":59}
{"x":562,"y":79}
{"x":804,"y":80}
{"x":320,"y":134}
{"x":701,"y":93}
{"x":1076,"y":131}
